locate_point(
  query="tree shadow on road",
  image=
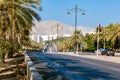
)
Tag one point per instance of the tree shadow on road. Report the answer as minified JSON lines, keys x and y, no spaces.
{"x":50,"y":73}
{"x":88,"y":72}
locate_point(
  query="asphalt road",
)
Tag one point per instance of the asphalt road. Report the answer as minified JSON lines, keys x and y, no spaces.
{"x":66,"y":67}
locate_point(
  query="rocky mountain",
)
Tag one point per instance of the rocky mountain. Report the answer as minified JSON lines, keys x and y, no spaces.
{"x":54,"y":27}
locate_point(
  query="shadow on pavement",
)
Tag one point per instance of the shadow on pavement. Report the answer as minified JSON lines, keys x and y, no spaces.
{"x":88,"y":72}
{"x":49,"y":73}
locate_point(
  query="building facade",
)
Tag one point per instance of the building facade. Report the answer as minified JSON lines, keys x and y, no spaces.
{"x":40,"y":38}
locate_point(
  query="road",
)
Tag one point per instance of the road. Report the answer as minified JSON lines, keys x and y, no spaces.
{"x":66,"y":67}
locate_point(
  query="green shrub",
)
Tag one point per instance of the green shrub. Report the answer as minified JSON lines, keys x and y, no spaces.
{"x":0,"y":56}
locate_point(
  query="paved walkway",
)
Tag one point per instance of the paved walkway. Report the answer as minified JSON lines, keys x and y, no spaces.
{"x":115,"y":59}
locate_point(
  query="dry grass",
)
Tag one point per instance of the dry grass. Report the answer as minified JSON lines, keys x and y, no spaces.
{"x":13,"y":69}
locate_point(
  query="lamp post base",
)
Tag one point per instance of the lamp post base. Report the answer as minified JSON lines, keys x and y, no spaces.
{"x":74,"y":50}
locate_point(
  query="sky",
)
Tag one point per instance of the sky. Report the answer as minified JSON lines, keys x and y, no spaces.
{"x":97,"y":12}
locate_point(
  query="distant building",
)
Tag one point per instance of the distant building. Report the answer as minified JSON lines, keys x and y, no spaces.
{"x":40,"y":38}
{"x":49,"y":30}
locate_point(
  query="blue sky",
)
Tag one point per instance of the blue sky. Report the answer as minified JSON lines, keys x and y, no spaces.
{"x":97,"y":11}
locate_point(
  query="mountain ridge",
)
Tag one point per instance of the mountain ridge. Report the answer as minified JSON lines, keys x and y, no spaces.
{"x":54,"y":27}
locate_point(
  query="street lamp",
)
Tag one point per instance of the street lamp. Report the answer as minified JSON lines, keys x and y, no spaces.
{"x":76,"y":10}
{"x":57,"y":27}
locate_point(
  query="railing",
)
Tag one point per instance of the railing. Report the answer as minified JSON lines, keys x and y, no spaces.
{"x":32,"y":73}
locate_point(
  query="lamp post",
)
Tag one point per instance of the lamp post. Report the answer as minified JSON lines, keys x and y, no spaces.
{"x":57,"y":27}
{"x":76,"y":10}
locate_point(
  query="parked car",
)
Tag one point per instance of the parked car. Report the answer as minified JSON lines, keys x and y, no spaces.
{"x":108,"y":52}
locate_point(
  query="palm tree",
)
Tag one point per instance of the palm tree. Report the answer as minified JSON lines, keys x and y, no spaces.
{"x":104,"y":36}
{"x":78,"y":36}
{"x":68,"y":43}
{"x":16,"y":16}
{"x":114,"y":32}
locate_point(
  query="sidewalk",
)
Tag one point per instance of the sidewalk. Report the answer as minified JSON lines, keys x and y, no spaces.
{"x":115,"y":59}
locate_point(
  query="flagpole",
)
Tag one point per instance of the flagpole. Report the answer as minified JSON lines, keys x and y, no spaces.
{"x":104,"y":36}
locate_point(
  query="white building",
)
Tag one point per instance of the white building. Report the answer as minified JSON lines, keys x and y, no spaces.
{"x":40,"y":38}
{"x":49,"y":30}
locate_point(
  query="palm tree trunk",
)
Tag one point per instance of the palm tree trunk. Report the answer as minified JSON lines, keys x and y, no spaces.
{"x":12,"y":32}
{"x":13,"y":22}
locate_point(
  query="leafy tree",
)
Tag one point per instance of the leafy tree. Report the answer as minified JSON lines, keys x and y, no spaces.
{"x":90,"y":42}
{"x":117,"y":43}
